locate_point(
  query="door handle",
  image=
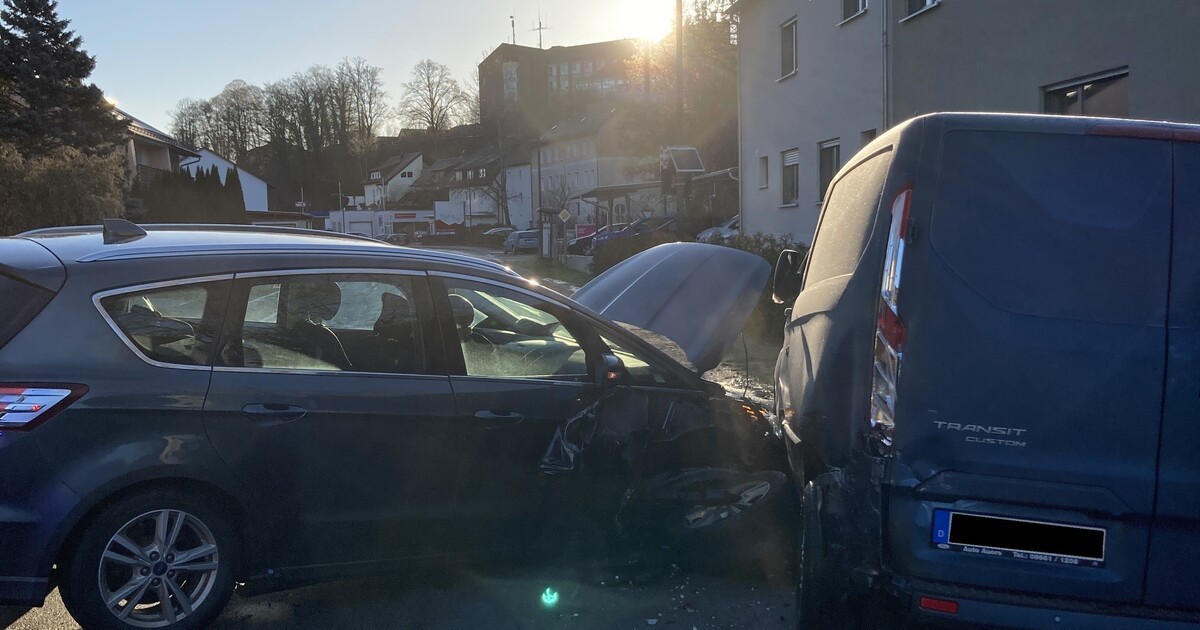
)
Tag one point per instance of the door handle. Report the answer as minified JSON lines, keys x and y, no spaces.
{"x":488,"y":414}
{"x":273,"y":412}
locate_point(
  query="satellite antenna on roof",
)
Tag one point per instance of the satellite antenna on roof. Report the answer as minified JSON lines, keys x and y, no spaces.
{"x":512,"y":20}
{"x":540,"y":28}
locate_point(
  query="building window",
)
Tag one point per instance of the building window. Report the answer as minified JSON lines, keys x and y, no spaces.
{"x":851,"y":8}
{"x":375,"y":175}
{"x":482,"y":173}
{"x":866,"y":137}
{"x":763,"y":171}
{"x":787,"y":48}
{"x":915,"y":6}
{"x":829,"y":160}
{"x":791,"y":176}
{"x":1104,"y":94}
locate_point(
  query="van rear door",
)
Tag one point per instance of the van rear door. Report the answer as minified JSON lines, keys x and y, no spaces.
{"x":1175,"y":536}
{"x":1034,"y":295}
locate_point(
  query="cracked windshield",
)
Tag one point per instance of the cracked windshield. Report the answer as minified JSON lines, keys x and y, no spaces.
{"x":695,"y":314}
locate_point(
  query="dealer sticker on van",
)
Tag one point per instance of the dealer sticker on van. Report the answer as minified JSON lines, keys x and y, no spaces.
{"x":1023,"y":539}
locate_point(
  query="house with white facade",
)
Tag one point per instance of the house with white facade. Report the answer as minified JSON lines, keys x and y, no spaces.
{"x":476,"y":185}
{"x":389,"y":182}
{"x":582,"y":166}
{"x":255,"y":191}
{"x":819,"y":79}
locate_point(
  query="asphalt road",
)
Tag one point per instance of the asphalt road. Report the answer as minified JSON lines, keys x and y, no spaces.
{"x":499,"y":599}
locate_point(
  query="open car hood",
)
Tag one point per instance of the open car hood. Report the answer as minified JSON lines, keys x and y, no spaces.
{"x":695,"y":294}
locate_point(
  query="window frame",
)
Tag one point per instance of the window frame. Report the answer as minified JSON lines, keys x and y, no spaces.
{"x":764,"y":172}
{"x":783,"y":178}
{"x":168,"y":284}
{"x":846,"y":17}
{"x":1078,"y":84}
{"x":784,"y":72}
{"x":434,"y":353}
{"x":928,"y":5}
{"x":825,"y":186}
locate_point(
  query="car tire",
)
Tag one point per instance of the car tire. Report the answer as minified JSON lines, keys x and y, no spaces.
{"x":127,"y":548}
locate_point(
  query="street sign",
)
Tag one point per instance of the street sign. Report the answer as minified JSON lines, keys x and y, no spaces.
{"x":301,"y":204}
{"x":565,"y":216}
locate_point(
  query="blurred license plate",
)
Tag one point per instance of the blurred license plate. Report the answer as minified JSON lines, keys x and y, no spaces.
{"x":1023,"y":539}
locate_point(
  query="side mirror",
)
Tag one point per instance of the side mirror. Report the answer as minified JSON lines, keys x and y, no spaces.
{"x":610,"y":371}
{"x":787,"y":277}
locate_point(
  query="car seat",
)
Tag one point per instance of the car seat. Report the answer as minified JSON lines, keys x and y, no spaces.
{"x":311,"y":303}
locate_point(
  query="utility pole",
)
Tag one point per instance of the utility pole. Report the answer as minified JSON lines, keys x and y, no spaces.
{"x":512,"y":19}
{"x":342,"y":204}
{"x":680,"y":191}
{"x":679,"y":139}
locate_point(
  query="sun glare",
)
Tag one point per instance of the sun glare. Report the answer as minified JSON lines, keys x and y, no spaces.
{"x":647,"y":19}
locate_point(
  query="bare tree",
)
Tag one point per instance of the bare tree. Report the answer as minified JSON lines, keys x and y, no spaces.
{"x":472,"y":113}
{"x":432,"y":99}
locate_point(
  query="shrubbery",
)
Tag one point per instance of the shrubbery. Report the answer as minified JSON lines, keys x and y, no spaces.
{"x":63,"y":186}
{"x":767,"y":318}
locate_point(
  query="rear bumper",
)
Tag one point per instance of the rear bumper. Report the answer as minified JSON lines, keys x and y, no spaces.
{"x":980,"y":608}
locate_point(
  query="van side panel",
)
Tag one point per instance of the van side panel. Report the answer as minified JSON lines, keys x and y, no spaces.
{"x":1034,"y":295}
{"x":1175,"y":537}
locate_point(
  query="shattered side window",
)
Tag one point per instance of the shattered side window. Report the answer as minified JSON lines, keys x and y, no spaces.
{"x":642,"y":371}
{"x":503,"y":333}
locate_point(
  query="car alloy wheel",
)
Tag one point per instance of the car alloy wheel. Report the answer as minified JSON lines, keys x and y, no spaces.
{"x":158,"y":568}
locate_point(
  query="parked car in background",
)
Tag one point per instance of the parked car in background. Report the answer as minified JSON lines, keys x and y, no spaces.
{"x":499,"y":230}
{"x":522,"y":240}
{"x":989,"y":377}
{"x":722,"y":233}
{"x":641,"y":226}
{"x":398,"y":238}
{"x":580,"y":245}
{"x":184,"y":409}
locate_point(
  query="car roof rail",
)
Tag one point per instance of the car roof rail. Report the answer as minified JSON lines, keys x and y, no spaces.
{"x":258,"y":229}
{"x":128,"y":230}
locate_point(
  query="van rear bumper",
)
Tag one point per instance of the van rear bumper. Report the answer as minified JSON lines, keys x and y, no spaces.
{"x":979,"y":607}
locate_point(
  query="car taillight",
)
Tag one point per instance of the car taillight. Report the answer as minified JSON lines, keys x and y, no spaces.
{"x":889,"y":332}
{"x":22,"y":407}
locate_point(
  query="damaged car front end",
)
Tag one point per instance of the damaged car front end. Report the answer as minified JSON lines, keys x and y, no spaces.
{"x":694,"y":461}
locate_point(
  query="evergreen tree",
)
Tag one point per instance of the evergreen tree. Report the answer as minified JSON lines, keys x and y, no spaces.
{"x":236,"y":200}
{"x":44,"y":102}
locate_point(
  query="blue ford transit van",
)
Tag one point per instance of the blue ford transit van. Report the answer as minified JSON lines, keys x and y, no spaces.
{"x":990,"y":382}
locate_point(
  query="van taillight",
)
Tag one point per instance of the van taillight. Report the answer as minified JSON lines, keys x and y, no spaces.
{"x":24,"y":406}
{"x":889,"y":332}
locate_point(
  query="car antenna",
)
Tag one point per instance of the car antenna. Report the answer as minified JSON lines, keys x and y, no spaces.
{"x":118,"y":231}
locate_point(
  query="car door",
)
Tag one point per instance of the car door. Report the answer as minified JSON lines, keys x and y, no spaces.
{"x":519,"y":368}
{"x":1175,"y":532}
{"x":331,"y":403}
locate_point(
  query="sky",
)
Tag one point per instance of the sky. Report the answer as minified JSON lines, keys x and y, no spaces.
{"x":150,"y":54}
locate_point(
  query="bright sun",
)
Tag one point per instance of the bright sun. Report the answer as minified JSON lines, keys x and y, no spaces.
{"x":647,"y":19}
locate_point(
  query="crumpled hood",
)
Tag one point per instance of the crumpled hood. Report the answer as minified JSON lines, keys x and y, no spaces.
{"x":695,"y":294}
